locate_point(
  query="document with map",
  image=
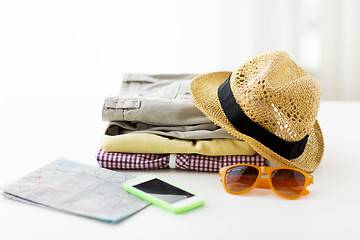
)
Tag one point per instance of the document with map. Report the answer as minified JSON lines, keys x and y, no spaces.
{"x":77,"y":188}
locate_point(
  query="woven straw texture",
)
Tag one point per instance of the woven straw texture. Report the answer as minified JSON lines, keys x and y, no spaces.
{"x":276,"y":94}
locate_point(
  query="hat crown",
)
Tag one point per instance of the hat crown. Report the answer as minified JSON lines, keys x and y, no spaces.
{"x":277,"y":94}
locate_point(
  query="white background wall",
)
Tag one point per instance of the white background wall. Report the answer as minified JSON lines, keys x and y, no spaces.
{"x":82,"y":48}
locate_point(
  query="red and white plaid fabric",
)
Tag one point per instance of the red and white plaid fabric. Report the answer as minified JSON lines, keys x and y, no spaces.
{"x":195,"y":162}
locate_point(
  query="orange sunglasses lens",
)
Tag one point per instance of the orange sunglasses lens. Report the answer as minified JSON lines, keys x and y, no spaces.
{"x":288,"y":182}
{"x":240,"y":178}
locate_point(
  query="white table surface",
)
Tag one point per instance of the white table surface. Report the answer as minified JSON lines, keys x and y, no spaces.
{"x":34,"y":132}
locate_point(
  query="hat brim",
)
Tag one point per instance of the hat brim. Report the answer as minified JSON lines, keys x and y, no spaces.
{"x":204,"y":89}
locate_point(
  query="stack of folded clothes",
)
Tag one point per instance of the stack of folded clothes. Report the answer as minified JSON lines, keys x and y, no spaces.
{"x":154,"y":124}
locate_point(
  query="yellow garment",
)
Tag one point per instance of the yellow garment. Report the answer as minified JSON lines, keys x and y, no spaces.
{"x":152,"y":143}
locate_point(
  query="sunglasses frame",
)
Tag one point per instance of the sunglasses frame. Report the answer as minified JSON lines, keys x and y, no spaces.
{"x":261,"y":182}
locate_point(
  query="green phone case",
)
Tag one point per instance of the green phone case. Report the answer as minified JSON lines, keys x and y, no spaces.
{"x":158,"y":202}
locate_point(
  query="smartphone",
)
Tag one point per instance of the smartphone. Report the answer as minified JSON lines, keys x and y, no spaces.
{"x":163,"y":194}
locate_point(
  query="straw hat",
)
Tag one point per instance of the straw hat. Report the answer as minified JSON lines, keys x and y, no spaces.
{"x":271,"y":103}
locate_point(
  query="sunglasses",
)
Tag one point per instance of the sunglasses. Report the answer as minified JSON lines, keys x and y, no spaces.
{"x":286,"y":182}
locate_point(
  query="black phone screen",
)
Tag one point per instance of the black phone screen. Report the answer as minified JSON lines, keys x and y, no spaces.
{"x":163,"y":190}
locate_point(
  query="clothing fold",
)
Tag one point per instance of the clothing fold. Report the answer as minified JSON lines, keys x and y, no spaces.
{"x":152,"y":143}
{"x":160,"y":104}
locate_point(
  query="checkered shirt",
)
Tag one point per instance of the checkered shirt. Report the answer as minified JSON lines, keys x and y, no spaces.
{"x":195,"y":162}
